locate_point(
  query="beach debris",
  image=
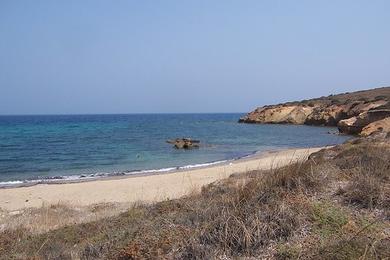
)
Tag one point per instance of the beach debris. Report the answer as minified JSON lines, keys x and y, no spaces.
{"x":184,"y":143}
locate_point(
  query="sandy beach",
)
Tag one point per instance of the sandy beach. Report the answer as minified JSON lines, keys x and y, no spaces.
{"x":149,"y":188}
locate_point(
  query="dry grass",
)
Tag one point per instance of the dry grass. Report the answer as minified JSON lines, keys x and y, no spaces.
{"x":86,"y":240}
{"x":368,"y":169}
{"x":286,"y":213}
{"x":236,"y":217}
{"x":366,"y":191}
{"x":46,"y":218}
{"x":354,"y":240}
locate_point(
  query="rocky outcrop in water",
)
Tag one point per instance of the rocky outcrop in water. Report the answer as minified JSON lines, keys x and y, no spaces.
{"x":351,"y":112}
{"x":184,"y":143}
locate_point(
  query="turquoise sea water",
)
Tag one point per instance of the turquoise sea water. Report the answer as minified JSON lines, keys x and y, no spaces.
{"x":47,"y":147}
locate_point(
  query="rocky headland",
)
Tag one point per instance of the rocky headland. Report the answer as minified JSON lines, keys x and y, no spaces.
{"x":358,"y":113}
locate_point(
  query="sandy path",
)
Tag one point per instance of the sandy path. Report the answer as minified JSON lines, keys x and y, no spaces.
{"x":143,"y":188}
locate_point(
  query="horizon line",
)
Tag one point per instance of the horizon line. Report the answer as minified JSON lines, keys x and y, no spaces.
{"x":136,"y":113}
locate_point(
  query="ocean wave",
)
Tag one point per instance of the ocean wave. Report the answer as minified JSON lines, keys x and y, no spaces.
{"x":99,"y":175}
{"x":191,"y":166}
{"x":10,"y":183}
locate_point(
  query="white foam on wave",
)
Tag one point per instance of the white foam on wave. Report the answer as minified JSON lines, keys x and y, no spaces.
{"x":9,"y":183}
{"x":202,"y":165}
{"x":92,"y":176}
{"x":152,"y":171}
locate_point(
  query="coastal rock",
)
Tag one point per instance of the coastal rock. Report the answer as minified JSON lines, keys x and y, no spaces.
{"x":298,"y":115}
{"x":278,"y":114}
{"x":354,"y":125}
{"x":377,"y":126}
{"x":356,"y":108}
{"x":351,"y":112}
{"x":350,"y":125}
{"x":184,"y":143}
{"x":328,"y":116}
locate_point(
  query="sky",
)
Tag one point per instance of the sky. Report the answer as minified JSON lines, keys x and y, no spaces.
{"x":83,"y":57}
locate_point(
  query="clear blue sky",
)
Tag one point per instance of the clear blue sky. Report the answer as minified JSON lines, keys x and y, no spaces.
{"x":72,"y":57}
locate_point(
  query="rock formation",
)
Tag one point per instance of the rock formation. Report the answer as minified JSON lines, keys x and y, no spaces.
{"x":376,"y":126}
{"x":326,"y":115}
{"x":278,"y":115}
{"x":184,"y":143}
{"x":354,"y":125}
{"x":351,"y":112}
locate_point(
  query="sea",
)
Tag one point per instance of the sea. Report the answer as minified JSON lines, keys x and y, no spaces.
{"x":46,"y":148}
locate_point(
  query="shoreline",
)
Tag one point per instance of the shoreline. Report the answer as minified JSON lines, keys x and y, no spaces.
{"x":149,"y":187}
{"x":87,"y":177}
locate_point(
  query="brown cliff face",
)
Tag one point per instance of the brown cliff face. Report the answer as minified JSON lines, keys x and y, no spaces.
{"x":351,"y":112}
{"x":354,"y":125}
{"x":278,"y":115}
{"x":377,"y":126}
{"x":326,"y":115}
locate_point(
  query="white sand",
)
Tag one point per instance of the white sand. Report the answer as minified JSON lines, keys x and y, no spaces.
{"x":142,"y":188}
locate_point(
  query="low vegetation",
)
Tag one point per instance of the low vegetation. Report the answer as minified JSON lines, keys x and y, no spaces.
{"x":333,"y":206}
